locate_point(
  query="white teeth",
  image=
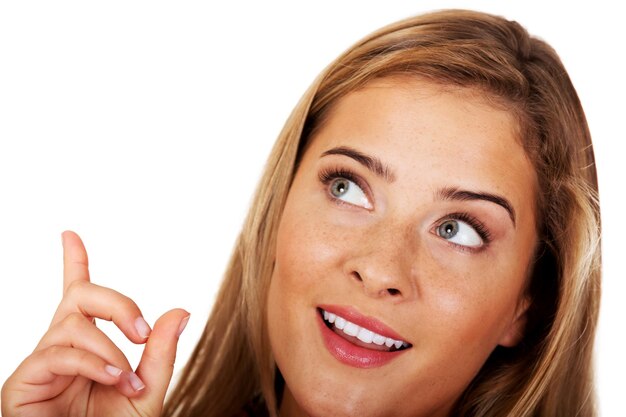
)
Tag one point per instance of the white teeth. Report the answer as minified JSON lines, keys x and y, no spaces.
{"x":361,"y":333}
{"x":351,"y":329}
{"x":378,"y":339}
{"x":365,"y":335}
{"x":340,"y":323}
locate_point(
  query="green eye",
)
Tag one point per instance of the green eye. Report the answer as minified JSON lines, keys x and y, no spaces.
{"x":448,"y":229}
{"x":460,"y":233}
{"x":346,"y":190}
{"x":340,"y":187}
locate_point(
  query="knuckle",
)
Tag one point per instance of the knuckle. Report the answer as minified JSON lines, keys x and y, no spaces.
{"x":75,"y":289}
{"x":82,"y":357}
{"x":124,"y":306}
{"x":128,"y":304}
{"x":63,"y":356}
{"x":74,"y":320}
{"x":51,"y":353}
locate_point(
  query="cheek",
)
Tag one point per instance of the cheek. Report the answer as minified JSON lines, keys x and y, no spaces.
{"x":309,"y":248}
{"x":307,"y":254}
{"x":303,"y":257}
{"x":469,"y":300}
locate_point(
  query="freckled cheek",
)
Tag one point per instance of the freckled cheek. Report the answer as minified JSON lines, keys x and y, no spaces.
{"x":467,"y":321}
{"x":469,"y":300}
{"x":309,"y":251}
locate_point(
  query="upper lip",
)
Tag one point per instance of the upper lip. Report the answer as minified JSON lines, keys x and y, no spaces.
{"x":368,"y":322}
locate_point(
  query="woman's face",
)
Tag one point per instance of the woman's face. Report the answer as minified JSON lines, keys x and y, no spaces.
{"x":402,"y":252}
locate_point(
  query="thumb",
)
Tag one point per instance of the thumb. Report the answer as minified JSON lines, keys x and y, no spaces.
{"x":157,"y":362}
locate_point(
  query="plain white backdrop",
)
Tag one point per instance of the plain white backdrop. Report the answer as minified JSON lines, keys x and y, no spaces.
{"x":144,"y":127}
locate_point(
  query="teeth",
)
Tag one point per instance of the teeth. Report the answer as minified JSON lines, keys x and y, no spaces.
{"x":365,"y":335}
{"x":378,"y":339}
{"x":340,"y":322}
{"x":361,"y":333}
{"x":351,"y":329}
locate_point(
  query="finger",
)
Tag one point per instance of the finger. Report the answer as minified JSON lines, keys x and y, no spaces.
{"x":47,"y":373}
{"x":79,"y":332}
{"x":104,"y":303}
{"x":75,"y":261}
{"x":44,"y":366}
{"x":157,"y":362}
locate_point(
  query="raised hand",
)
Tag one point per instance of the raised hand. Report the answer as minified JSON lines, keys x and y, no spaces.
{"x":76,"y":370}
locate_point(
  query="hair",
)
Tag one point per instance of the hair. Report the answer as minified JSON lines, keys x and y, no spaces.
{"x":549,"y":373}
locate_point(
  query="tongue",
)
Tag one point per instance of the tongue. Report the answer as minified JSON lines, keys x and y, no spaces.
{"x":355,"y":341}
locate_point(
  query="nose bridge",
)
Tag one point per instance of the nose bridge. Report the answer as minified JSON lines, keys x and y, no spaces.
{"x":384,"y":264}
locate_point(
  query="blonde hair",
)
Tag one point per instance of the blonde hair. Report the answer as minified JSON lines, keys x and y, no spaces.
{"x":550,"y":372}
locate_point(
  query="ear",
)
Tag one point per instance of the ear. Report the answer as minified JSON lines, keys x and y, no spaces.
{"x":514,"y":332}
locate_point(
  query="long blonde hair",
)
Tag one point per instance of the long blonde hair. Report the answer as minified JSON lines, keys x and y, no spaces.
{"x":550,"y":372}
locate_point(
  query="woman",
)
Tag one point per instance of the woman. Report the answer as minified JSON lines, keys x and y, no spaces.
{"x":425,"y":241}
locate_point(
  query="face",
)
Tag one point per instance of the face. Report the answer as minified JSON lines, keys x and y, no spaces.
{"x":402,"y":252}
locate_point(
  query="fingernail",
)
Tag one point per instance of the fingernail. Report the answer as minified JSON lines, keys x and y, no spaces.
{"x":182,"y":325}
{"x":112,"y":370}
{"x":142,"y":327}
{"x":135,"y":382}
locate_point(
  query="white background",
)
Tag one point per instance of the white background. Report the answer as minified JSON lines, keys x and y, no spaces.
{"x":144,"y":127}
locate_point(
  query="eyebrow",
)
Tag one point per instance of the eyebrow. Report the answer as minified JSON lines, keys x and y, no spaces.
{"x":448,"y":193}
{"x":453,"y":193}
{"x":370,"y":162}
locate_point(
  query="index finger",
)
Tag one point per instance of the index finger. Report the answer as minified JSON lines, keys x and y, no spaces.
{"x":75,"y":261}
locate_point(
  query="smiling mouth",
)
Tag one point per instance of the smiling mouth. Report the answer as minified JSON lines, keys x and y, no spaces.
{"x":361,"y":336}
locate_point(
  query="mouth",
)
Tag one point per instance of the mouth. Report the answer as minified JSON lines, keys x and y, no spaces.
{"x":361,"y":336}
{"x":364,"y":345}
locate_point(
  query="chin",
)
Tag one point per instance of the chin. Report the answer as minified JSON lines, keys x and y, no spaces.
{"x":348,"y":401}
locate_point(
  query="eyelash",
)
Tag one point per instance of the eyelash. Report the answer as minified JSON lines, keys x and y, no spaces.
{"x":476,"y":224}
{"x":326,"y":176}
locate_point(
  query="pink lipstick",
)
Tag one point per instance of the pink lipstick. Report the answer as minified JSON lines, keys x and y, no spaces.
{"x":357,"y":340}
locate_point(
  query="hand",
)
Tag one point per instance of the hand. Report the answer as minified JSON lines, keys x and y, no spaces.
{"x":76,"y":370}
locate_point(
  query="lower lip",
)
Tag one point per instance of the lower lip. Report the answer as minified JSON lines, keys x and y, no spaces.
{"x":353,"y":355}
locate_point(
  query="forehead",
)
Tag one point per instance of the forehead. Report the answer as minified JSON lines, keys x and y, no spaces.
{"x":433,"y":135}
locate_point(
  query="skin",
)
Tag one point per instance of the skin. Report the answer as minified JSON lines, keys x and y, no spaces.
{"x":386,"y":260}
{"x":453,"y":304}
{"x":66,"y":375}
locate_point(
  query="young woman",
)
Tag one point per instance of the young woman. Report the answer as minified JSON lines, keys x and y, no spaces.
{"x":424,"y":242}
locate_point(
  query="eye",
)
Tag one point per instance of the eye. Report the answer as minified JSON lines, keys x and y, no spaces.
{"x":460,"y":233}
{"x":347,"y":190}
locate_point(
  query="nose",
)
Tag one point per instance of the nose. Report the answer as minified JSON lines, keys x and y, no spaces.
{"x":383,"y":263}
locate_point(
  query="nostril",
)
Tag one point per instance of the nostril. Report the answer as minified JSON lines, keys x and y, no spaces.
{"x":357,"y":276}
{"x":393,"y":291}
